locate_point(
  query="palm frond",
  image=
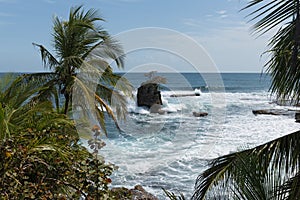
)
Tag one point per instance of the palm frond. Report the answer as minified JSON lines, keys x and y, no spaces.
{"x":283,"y":64}
{"x":117,"y":82}
{"x":290,"y":189}
{"x":116,"y":100}
{"x":48,"y":59}
{"x":84,"y":49}
{"x":270,"y":13}
{"x":5,"y":81}
{"x":110,"y":49}
{"x":103,"y":106}
{"x":281,"y":155}
{"x":173,"y":196}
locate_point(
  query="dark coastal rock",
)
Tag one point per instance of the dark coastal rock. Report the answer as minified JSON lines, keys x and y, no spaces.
{"x":297,"y":117}
{"x":137,"y":193}
{"x":148,"y":95}
{"x":270,"y":112}
{"x":184,"y":95}
{"x":200,"y":114}
{"x":156,"y":108}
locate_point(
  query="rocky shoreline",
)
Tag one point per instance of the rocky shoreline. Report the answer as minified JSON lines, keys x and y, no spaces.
{"x":136,"y":193}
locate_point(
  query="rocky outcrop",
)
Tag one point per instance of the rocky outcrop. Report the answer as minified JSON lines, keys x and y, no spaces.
{"x":137,"y":193}
{"x":184,"y":95}
{"x":148,"y":95}
{"x":200,"y":114}
{"x":297,"y":117}
{"x":271,"y":112}
{"x":156,"y":108}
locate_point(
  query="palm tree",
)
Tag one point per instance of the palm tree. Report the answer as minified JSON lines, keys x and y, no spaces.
{"x":283,"y":64}
{"x":271,"y":170}
{"x":40,"y":151}
{"x":80,"y":44}
{"x":18,"y":98}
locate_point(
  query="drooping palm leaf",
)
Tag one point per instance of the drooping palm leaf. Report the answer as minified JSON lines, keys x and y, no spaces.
{"x":290,"y":189}
{"x":270,"y":14}
{"x":283,"y":15}
{"x":282,"y":155}
{"x":79,"y":43}
{"x":110,"y":49}
{"x":48,"y":59}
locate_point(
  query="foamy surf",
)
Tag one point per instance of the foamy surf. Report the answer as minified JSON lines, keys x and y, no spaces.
{"x":171,"y":150}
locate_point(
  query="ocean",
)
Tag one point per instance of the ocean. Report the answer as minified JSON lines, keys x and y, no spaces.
{"x":169,"y":151}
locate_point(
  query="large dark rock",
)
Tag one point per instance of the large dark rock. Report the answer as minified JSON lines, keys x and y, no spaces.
{"x":148,"y":95}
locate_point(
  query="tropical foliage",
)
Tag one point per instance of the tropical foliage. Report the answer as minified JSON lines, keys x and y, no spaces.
{"x":268,"y":171}
{"x":41,"y":156}
{"x":173,"y":196}
{"x":83,"y":47}
{"x":283,"y":65}
{"x":41,"y":152}
{"x":271,"y":170}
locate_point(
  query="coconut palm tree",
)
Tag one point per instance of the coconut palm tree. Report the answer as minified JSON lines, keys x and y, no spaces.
{"x":271,"y":170}
{"x":40,"y":152}
{"x":18,"y":98}
{"x":80,"y":45}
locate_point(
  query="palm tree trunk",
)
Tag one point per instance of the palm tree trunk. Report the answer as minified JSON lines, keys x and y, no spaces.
{"x":67,"y":100}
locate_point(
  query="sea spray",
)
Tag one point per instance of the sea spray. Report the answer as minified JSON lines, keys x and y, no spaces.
{"x":171,"y":150}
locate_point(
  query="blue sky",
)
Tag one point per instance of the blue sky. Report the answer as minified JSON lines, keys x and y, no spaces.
{"x":217,"y":25}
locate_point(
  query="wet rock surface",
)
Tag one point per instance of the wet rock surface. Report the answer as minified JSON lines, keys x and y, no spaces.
{"x":137,"y":193}
{"x":148,"y":95}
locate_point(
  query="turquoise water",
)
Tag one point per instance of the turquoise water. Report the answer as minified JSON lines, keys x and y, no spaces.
{"x":232,"y":82}
{"x":171,"y":150}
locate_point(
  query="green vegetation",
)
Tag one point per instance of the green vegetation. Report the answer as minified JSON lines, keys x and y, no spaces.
{"x":153,"y":78}
{"x":271,"y":170}
{"x":173,"y":196}
{"x":41,"y":157}
{"x":83,"y":47}
{"x":40,"y":151}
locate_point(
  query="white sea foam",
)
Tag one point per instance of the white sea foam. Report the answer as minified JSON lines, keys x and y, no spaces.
{"x":171,"y":150}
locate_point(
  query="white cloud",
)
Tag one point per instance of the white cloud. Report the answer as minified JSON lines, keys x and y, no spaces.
{"x":191,"y":22}
{"x":234,"y":49}
{"x":229,"y":41}
{"x":49,"y":1}
{"x":221,"y":12}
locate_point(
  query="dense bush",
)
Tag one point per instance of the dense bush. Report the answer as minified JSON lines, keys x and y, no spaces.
{"x":50,"y":163}
{"x":40,"y":152}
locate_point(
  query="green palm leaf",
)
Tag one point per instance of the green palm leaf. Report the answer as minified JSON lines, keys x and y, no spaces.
{"x":281,"y":155}
{"x":82,"y":46}
{"x":268,"y":171}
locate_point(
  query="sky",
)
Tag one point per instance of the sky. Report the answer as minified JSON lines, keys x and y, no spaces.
{"x":217,"y":26}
